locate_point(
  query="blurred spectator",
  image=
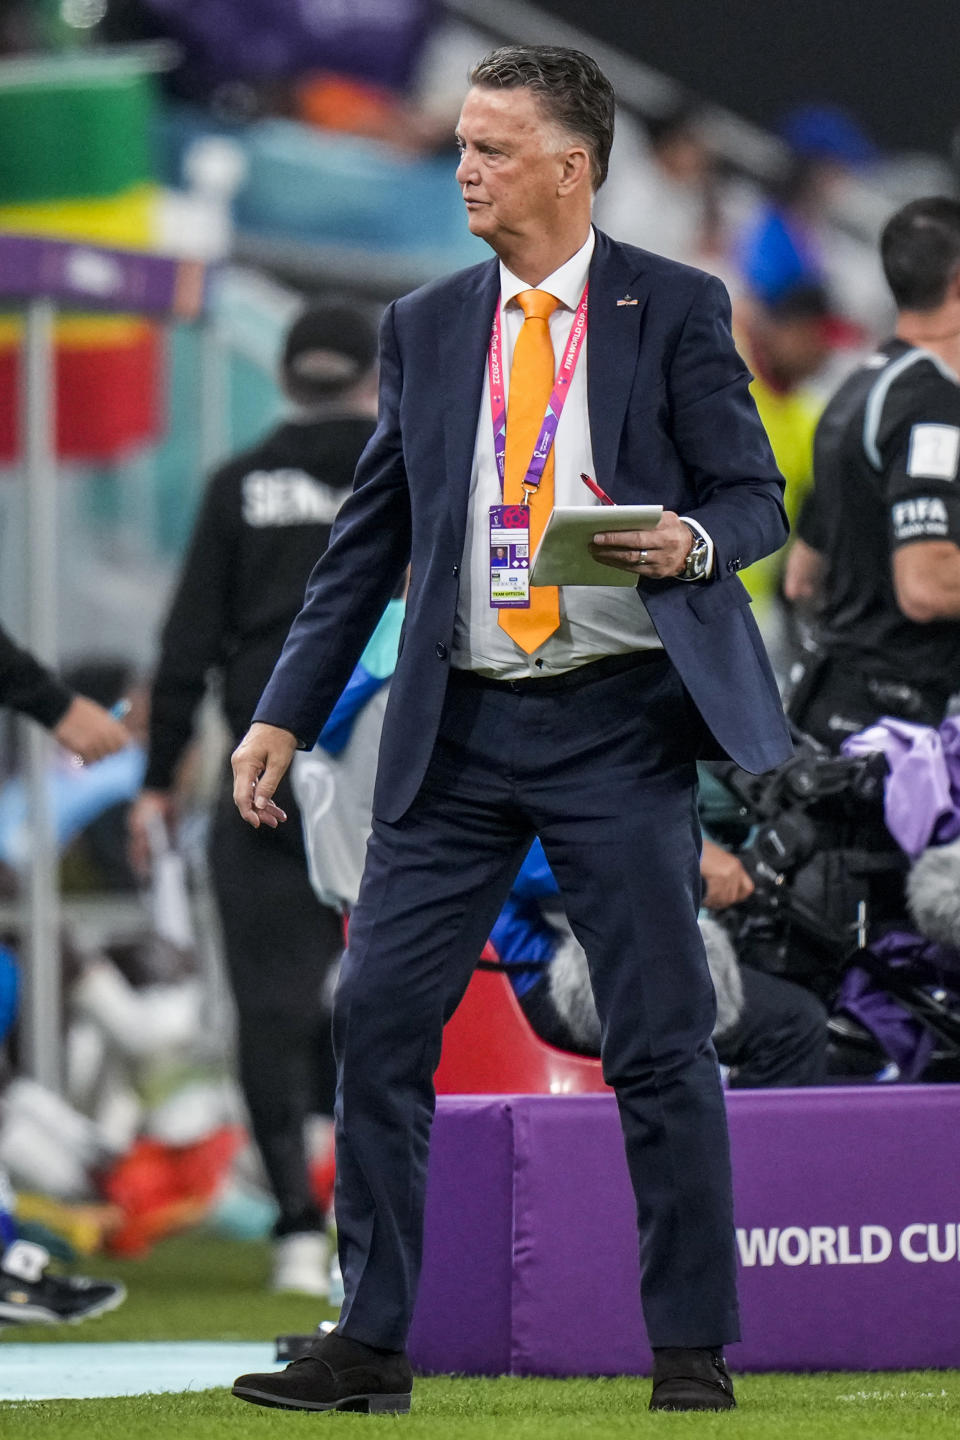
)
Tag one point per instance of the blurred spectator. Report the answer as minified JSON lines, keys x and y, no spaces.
{"x":783,"y":248}
{"x":879,"y":540}
{"x":339,"y":102}
{"x":829,"y":136}
{"x":785,"y":341}
{"x":661,"y":189}
{"x":793,"y":240}
{"x":263,"y":523}
{"x":247,"y":60}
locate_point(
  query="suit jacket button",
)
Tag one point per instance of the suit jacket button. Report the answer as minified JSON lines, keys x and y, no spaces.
{"x":734,"y":565}
{"x":456,"y":569}
{"x":441,"y":650}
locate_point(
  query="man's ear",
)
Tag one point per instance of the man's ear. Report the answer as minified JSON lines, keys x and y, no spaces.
{"x":576,"y":169}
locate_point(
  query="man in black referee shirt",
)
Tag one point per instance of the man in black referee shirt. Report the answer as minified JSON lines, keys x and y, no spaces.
{"x":879,"y":539}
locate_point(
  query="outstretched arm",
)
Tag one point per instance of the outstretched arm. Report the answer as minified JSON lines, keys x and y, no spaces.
{"x":80,"y":725}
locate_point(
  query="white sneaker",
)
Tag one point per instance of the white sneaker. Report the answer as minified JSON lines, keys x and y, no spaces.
{"x":29,"y":1296}
{"x":301,"y":1263}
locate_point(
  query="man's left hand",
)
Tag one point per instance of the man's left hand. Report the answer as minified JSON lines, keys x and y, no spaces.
{"x":657,"y":554}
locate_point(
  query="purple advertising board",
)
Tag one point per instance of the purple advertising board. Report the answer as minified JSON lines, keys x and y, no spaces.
{"x":847,"y":1206}
{"x":95,"y":278}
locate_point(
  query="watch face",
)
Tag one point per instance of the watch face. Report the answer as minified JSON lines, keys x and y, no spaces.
{"x":696,"y":559}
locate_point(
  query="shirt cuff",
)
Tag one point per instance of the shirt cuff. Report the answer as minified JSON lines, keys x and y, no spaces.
{"x":695,"y":525}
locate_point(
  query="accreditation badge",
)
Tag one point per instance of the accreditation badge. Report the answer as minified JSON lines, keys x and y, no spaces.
{"x":509,"y":557}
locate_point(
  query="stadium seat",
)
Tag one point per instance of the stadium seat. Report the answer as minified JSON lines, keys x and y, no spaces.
{"x":489,"y":1047}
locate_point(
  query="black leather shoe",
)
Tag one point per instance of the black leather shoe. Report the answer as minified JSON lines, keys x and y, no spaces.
{"x":338,"y":1374}
{"x":691,"y":1380}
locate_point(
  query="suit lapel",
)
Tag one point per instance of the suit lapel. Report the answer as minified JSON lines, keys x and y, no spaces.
{"x":464,"y":339}
{"x":612,"y":347}
{"x":613,"y":343}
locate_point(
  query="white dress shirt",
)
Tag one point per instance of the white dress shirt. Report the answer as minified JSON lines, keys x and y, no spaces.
{"x":594,"y":620}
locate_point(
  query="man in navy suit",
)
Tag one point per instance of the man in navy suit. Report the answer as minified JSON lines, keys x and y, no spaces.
{"x":576,"y":715}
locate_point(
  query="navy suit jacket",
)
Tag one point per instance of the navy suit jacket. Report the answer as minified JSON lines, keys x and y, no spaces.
{"x":671,"y":422}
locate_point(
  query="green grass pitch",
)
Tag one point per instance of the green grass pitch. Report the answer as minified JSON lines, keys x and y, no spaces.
{"x":203,"y":1288}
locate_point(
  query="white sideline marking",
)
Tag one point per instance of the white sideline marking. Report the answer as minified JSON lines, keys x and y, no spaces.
{"x":895,"y":1395}
{"x":88,"y":1370}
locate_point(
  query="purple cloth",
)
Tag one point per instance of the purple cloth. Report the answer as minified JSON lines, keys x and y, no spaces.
{"x":950,"y":738}
{"x":921,"y":801}
{"x":908,"y":1043}
{"x":940,"y":964}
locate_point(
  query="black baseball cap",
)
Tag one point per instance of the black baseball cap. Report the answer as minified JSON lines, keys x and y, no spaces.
{"x":329,"y":347}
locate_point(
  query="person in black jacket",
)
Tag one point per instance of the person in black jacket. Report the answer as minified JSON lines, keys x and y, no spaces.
{"x":79,"y":724}
{"x":264,"y":521}
{"x":878,"y":546}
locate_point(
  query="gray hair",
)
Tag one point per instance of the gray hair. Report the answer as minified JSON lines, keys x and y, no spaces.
{"x":571,"y":87}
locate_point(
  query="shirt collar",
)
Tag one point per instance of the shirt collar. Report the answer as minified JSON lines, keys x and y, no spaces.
{"x":566,"y":283}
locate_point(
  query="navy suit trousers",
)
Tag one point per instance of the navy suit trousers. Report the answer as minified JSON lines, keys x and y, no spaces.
{"x":603,"y":770}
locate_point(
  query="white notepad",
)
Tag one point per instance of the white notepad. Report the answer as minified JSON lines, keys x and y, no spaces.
{"x":563,"y":557}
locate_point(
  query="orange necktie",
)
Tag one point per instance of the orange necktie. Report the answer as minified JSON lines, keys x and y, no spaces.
{"x":531,"y":381}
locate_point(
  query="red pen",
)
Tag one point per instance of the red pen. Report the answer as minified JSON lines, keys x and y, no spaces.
{"x":592,"y":485}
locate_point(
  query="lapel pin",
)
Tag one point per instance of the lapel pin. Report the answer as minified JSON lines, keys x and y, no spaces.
{"x":627,"y":300}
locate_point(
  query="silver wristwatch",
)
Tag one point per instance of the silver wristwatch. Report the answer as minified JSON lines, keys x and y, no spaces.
{"x":695,"y":565}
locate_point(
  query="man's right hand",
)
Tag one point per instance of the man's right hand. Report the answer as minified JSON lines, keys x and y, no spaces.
{"x":259,"y":763}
